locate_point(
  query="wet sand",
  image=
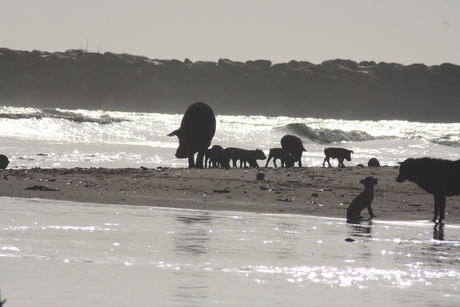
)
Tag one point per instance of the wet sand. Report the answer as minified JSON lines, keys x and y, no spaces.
{"x":314,"y":191}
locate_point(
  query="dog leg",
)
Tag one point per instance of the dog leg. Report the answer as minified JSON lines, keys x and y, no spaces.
{"x":371,"y":213}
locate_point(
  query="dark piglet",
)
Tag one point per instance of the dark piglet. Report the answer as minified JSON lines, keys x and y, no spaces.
{"x":218,"y":157}
{"x":229,"y":152}
{"x":337,"y":153}
{"x":436,"y":176}
{"x":195,"y":133}
{"x":247,"y":156}
{"x":279,"y":153}
{"x":362,"y":201}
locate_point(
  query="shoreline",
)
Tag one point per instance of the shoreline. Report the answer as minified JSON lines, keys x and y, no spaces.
{"x":313,"y":191}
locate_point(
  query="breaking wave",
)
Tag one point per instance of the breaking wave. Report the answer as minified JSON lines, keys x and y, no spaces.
{"x":451,"y":140}
{"x":327,"y":136}
{"x":53,"y":113}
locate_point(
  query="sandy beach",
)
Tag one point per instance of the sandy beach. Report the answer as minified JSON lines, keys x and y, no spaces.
{"x":314,"y":191}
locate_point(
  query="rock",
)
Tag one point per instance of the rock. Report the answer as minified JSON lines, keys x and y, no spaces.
{"x":260,"y":176}
{"x":339,"y":88}
{"x":42,"y":188}
{"x":4,"y":161}
{"x":373,"y":162}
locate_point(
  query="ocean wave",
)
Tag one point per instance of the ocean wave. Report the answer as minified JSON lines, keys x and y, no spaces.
{"x":451,"y":140}
{"x":61,"y":114}
{"x":327,"y":136}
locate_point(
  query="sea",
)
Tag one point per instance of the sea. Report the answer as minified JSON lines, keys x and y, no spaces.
{"x":56,"y":138}
{"x":63,"y":253}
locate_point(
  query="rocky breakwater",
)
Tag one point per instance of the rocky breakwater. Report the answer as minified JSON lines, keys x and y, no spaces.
{"x":333,"y":89}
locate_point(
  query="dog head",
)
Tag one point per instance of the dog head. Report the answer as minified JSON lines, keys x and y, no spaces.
{"x":369,"y":181}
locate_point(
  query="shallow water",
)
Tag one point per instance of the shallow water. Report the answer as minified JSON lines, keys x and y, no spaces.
{"x":55,"y":253}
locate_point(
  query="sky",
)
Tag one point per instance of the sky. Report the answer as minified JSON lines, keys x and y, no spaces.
{"x":400,"y":31}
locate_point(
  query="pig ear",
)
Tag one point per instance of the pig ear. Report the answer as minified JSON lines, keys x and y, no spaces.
{"x":175,"y":132}
{"x":400,"y":163}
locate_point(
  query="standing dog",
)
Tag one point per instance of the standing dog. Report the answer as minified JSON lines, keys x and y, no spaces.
{"x":436,"y":176}
{"x":362,"y":201}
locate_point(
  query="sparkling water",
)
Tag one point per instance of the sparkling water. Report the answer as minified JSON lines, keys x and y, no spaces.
{"x":55,"y":253}
{"x":81,"y":138}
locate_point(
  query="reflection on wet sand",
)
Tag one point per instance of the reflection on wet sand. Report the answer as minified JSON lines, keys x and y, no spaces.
{"x":438,"y":231}
{"x":201,"y":258}
{"x":191,"y":240}
{"x":191,"y":237}
{"x":361,"y":229}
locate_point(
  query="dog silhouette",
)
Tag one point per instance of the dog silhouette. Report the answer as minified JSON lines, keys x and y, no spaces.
{"x":362,"y":201}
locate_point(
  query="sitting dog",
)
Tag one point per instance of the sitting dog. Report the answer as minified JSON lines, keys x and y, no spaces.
{"x":362,"y":201}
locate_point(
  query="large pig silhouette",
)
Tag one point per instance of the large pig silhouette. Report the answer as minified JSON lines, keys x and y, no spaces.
{"x":294,"y":146}
{"x":195,"y":133}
